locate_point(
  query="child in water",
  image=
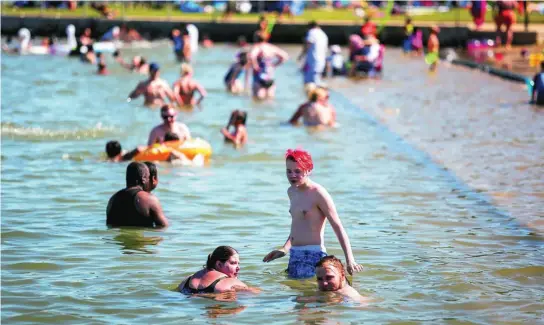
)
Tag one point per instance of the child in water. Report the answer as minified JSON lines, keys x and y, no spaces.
{"x":238,"y":120}
{"x":232,"y":78}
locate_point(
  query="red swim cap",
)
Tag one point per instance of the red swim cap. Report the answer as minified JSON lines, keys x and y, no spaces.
{"x":301,"y":157}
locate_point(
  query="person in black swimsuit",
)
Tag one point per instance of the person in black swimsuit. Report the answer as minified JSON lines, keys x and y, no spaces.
{"x":133,"y":206}
{"x":219,"y":275}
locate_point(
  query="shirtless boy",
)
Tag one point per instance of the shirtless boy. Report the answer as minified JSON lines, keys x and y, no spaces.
{"x":155,"y":90}
{"x":311,"y":206}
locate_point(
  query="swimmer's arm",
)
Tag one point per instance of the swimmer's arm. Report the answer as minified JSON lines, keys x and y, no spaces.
{"x":201,"y":91}
{"x":327,"y":207}
{"x":282,"y":56}
{"x":153,"y":137}
{"x":136,"y":92}
{"x":130,"y":155}
{"x":298,"y":114}
{"x":124,"y":64}
{"x":304,"y":49}
{"x":227,"y":135}
{"x":177,"y":87}
{"x":155,"y":211}
{"x":167,"y":92}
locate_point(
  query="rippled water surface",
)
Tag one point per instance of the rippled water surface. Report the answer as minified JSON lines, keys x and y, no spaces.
{"x":434,"y":249}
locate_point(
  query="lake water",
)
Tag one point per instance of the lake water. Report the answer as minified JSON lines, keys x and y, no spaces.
{"x":434,"y":249}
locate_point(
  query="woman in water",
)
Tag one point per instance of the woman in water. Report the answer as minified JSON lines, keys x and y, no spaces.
{"x":220,"y":274}
{"x":331,"y":277}
{"x":238,"y":120}
{"x":185,"y":88}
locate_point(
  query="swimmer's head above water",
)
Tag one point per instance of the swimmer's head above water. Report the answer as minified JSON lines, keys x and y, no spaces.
{"x":186,"y":69}
{"x":168,"y":114}
{"x":224,"y":259}
{"x":153,"y":176}
{"x":330,"y":273}
{"x":154,"y":69}
{"x":137,"y":175}
{"x":298,"y":165}
{"x":113,"y":149}
{"x":238,"y":117}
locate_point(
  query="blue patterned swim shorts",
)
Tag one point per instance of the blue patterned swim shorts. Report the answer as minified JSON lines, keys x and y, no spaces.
{"x":302,"y":261}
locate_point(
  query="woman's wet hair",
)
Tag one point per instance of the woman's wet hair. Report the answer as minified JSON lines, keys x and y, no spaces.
{"x":333,"y":261}
{"x":239,"y":116}
{"x":113,"y":148}
{"x":222,"y":254}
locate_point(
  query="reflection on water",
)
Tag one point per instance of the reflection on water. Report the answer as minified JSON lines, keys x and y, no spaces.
{"x":437,"y":243}
{"x":215,"y":311}
{"x":133,"y":241}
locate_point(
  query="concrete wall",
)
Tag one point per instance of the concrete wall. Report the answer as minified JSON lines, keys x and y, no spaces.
{"x":229,"y":32}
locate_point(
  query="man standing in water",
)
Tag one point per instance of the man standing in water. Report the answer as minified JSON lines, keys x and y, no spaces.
{"x":260,"y":58}
{"x":155,"y":90}
{"x":133,"y":206}
{"x":311,"y":206}
{"x":168,"y":115}
{"x":315,"y":51}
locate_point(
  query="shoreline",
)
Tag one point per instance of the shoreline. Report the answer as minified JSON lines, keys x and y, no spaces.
{"x":225,"y":31}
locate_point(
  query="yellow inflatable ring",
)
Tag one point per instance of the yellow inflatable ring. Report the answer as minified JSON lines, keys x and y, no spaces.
{"x":190,"y":148}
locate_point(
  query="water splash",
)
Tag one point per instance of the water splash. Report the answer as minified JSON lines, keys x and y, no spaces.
{"x":17,"y":132}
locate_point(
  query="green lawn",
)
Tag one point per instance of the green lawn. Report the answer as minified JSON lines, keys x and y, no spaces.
{"x":322,"y":15}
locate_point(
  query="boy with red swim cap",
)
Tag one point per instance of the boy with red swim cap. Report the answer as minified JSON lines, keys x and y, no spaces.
{"x":311,"y":206}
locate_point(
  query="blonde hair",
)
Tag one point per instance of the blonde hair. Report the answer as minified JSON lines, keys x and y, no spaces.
{"x":309,"y":88}
{"x":186,"y":69}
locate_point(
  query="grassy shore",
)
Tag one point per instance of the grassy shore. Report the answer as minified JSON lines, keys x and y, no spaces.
{"x":346,"y":16}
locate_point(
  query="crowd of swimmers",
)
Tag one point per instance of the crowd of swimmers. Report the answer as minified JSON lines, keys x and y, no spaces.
{"x":311,"y":206}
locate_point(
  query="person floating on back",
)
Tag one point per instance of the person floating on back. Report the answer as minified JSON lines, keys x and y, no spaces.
{"x":311,"y":205}
{"x":133,"y":206}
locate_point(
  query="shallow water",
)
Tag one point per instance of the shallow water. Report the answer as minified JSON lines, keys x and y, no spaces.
{"x":434,"y":249}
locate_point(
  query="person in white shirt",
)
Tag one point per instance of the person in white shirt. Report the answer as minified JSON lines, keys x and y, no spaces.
{"x":315,"y":53}
{"x":335,"y":62}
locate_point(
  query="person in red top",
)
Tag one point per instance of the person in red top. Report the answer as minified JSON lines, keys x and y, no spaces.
{"x":506,"y":16}
{"x":368,"y":28}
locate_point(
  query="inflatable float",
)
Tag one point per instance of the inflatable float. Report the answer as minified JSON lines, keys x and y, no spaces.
{"x":162,"y":151}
